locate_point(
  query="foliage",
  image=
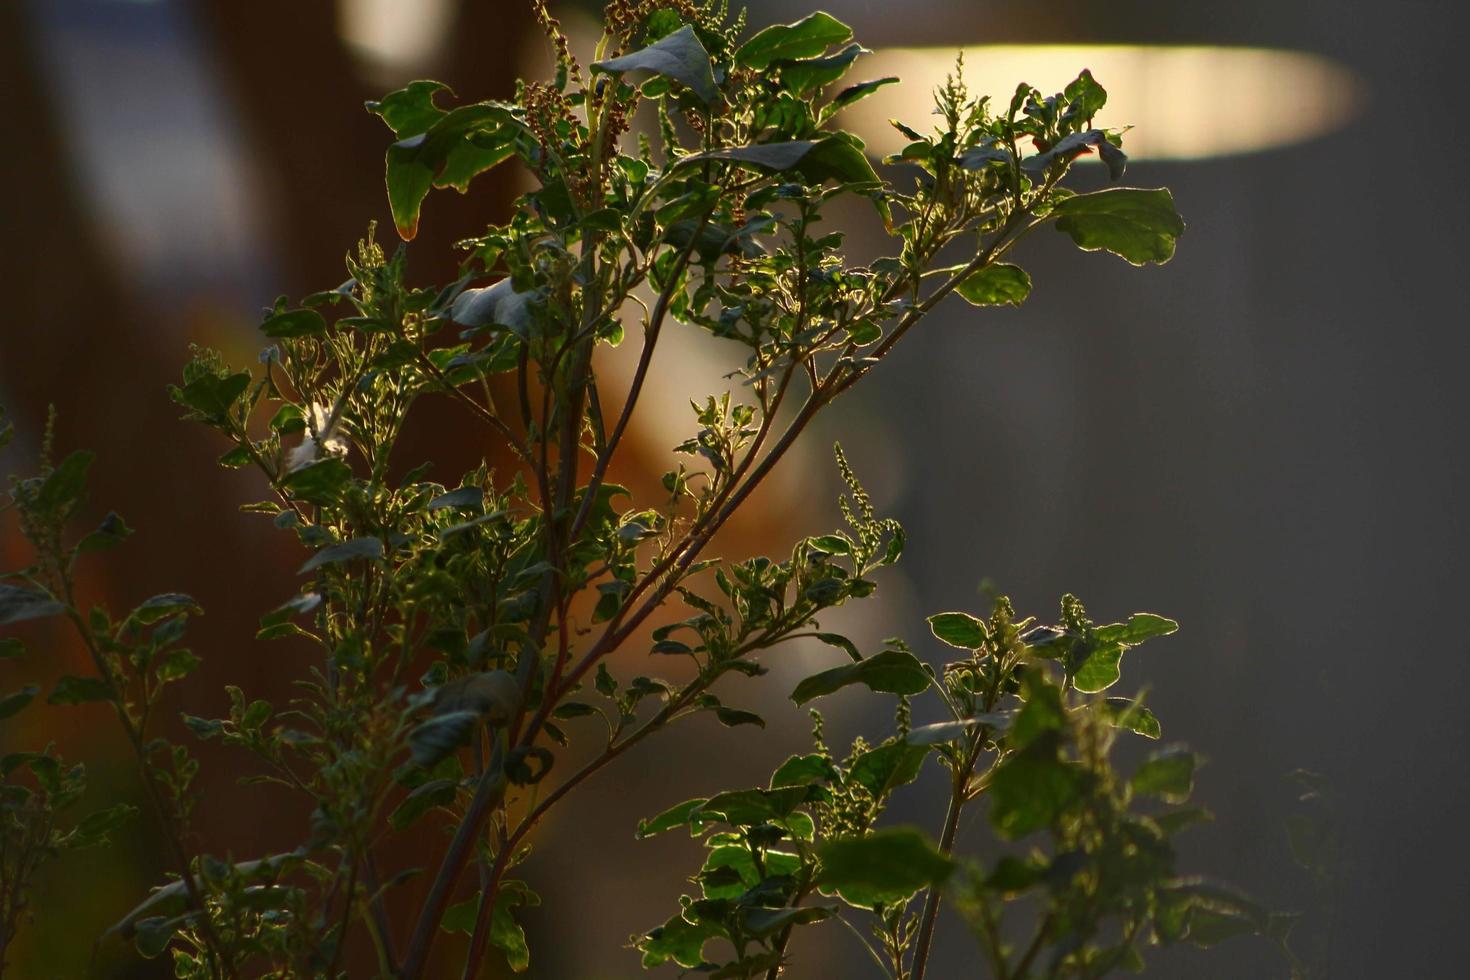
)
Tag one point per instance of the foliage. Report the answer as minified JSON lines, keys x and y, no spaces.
{"x":463,"y":629}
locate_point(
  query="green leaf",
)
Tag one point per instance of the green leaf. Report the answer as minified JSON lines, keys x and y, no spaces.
{"x":807,"y":38}
{"x":320,"y":482}
{"x":110,"y":532}
{"x":11,"y":647}
{"x":730,"y":717}
{"x":434,"y":793}
{"x":803,"y":770}
{"x":456,"y":147}
{"x":66,"y":482}
{"x":461,"y":916}
{"x":1135,"y":224}
{"x":806,"y":75}
{"x":958,"y":629}
{"x":79,"y":690}
{"x":886,"y":866}
{"x":842,"y":643}
{"x":1099,"y":670}
{"x":12,"y":703}
{"x":679,"y":940}
{"x":297,"y":605}
{"x":760,"y":922}
{"x":816,"y":161}
{"x":889,"y":672}
{"x":17,"y":604}
{"x":678,"y":56}
{"x":164,"y":605}
{"x":410,"y":110}
{"x":855,"y":93}
{"x":1167,"y":773}
{"x":883,"y":769}
{"x":997,"y":284}
{"x":674,"y":816}
{"x":176,"y":665}
{"x":505,"y":933}
{"x":1140,"y":627}
{"x":1032,"y":788}
{"x":440,"y":735}
{"x":1125,"y":713}
{"x":351,"y":550}
{"x":211,"y":395}
{"x":1043,"y":711}
{"x":948,"y":731}
{"x":465,"y":498}
{"x":294,"y":323}
{"x":1175,"y":821}
{"x":94,"y":827}
{"x":748,"y":807}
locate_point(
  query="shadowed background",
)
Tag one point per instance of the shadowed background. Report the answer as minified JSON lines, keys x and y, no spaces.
{"x":1262,"y":439}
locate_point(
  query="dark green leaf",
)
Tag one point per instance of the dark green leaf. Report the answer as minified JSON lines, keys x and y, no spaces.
{"x":176,"y":665}
{"x":79,"y":690}
{"x":1168,"y":773}
{"x":295,"y":606}
{"x":948,"y":731}
{"x":294,"y":323}
{"x":1137,"y":225}
{"x":842,"y":643}
{"x":890,"y":672}
{"x":958,"y":629}
{"x":831,"y":158}
{"x":807,"y":38}
{"x":17,"y":604}
{"x":318,"y":483}
{"x":1174,"y":821}
{"x":747,"y":807}
{"x":885,"y":768}
{"x":1043,"y":711}
{"x":11,"y":647}
{"x":465,"y":498}
{"x":12,"y":703}
{"x":94,"y":827}
{"x":211,"y":395}
{"x":730,"y":717}
{"x":854,"y":93}
{"x":886,"y":866}
{"x":997,"y":284}
{"x":678,"y":56}
{"x":352,"y":550}
{"x":440,"y":735}
{"x":434,"y":793}
{"x":805,"y":75}
{"x":1032,"y":788}
{"x":166,"y":604}
{"x":762,"y":922}
{"x":110,"y":532}
{"x":802,"y":770}
{"x":66,"y":482}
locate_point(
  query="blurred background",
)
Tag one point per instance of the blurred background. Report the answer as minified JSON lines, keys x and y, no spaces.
{"x":1262,"y":439}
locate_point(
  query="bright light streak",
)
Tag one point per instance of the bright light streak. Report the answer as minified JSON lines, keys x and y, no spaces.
{"x":1186,"y":103}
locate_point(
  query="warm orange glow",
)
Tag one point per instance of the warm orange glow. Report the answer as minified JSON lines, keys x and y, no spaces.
{"x":1185,"y":102}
